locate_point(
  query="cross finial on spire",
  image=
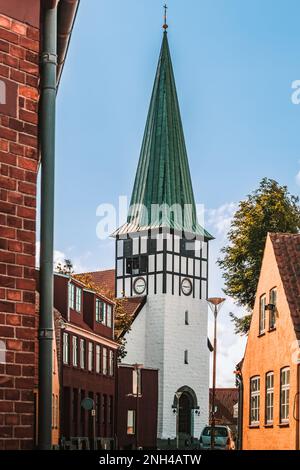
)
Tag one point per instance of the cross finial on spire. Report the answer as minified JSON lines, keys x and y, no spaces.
{"x":165,"y":26}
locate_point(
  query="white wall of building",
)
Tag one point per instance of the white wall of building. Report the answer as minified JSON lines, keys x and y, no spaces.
{"x":158,"y":338}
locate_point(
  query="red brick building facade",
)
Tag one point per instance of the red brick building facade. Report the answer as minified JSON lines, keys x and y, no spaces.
{"x":87,"y":363}
{"x":19,"y":71}
{"x":21,"y":43}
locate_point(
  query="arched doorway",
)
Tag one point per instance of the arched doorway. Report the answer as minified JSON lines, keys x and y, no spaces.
{"x":184,"y":405}
{"x":185,"y":414}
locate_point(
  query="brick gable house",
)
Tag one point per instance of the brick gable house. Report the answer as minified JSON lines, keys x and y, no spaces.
{"x":270,"y":369}
{"x":21,"y":44}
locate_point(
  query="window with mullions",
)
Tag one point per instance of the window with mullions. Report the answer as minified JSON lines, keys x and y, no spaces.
{"x":285,"y":395}
{"x":262,"y":315}
{"x":254,"y":400}
{"x":78,"y":299}
{"x":82,"y":353}
{"x":98,"y":359}
{"x":269,"y":398}
{"x":66,"y":348}
{"x":90,"y":357}
{"x":137,"y":265}
{"x":75,"y":351}
{"x":72,"y":296}
{"x":272,"y":311}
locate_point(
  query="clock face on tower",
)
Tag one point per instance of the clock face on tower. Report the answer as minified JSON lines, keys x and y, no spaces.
{"x":186,"y":286}
{"x":139,"y":286}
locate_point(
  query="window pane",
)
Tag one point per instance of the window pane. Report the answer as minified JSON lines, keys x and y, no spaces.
{"x":75,"y":351}
{"x":131,"y":422}
{"x":66,"y":348}
{"x":98,"y":358}
{"x":104,"y":364}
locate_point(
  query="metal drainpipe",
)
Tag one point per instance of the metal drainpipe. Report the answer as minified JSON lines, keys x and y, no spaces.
{"x":240,"y":412}
{"x":47,"y":130}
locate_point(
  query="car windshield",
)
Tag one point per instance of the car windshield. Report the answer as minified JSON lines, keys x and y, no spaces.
{"x":219,"y":432}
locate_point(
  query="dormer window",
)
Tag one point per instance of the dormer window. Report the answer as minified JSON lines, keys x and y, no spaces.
{"x":78,"y":299}
{"x":72,"y":296}
{"x":103,"y":313}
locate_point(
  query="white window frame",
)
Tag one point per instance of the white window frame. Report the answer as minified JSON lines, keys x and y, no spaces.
{"x":72,"y":296}
{"x":75,"y":350}
{"x":109,"y":315}
{"x":131,"y":422}
{"x":272,"y":313}
{"x":111,"y":363}
{"x":66,"y":350}
{"x":82,"y":353}
{"x":104,"y":361}
{"x":90,"y":356}
{"x":269,"y":398}
{"x":78,"y":303}
{"x":98,"y":358}
{"x":262,"y":314}
{"x":254,"y":400}
{"x":136,"y":382}
{"x":285,"y":375}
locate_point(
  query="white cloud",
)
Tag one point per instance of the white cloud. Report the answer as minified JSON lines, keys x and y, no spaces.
{"x":298,"y":178}
{"x":220,"y":219}
{"x":80,"y":263}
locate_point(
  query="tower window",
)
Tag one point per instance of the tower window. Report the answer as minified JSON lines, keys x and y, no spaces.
{"x":127,"y":248}
{"x":186,"y":357}
{"x":152,"y":246}
{"x":137,"y":265}
{"x":187,"y":248}
{"x":186,"y":317}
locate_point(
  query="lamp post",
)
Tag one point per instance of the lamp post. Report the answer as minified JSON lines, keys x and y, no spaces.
{"x":215,"y":304}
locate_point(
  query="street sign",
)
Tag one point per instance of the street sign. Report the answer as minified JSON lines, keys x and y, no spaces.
{"x":88,"y":404}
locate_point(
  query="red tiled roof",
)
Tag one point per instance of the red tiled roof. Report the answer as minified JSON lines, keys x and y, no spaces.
{"x":225,"y":400}
{"x":105,"y":279}
{"x":287,"y":253}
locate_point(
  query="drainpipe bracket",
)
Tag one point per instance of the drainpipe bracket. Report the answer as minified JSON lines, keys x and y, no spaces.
{"x":48,"y":58}
{"x":46,"y":333}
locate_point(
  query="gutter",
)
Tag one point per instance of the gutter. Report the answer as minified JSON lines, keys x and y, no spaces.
{"x":66,"y":16}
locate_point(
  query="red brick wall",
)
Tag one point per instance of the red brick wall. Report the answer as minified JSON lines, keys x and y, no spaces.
{"x":19,"y":58}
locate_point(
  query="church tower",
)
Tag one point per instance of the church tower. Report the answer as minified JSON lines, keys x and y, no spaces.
{"x":162,"y":260}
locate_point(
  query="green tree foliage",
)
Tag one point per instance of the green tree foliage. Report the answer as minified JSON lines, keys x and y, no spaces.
{"x":271,"y":208}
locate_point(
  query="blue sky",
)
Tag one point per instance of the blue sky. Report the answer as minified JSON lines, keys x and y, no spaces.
{"x":234,"y":64}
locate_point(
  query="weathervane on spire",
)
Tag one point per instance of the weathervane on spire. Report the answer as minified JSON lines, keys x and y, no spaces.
{"x":165,"y":26}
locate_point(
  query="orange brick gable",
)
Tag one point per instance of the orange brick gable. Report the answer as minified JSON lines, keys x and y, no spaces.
{"x":271,"y":352}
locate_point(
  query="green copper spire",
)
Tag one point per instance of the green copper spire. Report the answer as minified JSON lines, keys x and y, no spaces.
{"x":163,"y":175}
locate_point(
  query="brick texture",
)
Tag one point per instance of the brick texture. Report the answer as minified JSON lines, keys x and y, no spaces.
{"x":19,"y":58}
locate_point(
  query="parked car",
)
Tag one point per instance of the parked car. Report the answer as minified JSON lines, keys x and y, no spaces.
{"x":223,"y":438}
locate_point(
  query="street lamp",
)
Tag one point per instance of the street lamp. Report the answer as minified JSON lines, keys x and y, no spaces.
{"x":215,"y":304}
